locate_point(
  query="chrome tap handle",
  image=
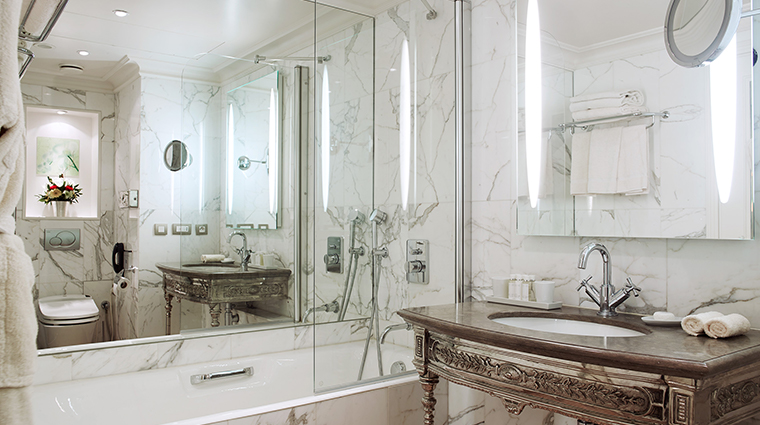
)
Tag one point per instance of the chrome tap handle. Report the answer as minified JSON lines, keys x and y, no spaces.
{"x":584,"y":283}
{"x":630,"y":287}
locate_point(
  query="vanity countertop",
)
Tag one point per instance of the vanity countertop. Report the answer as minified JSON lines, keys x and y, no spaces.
{"x":221,"y":270}
{"x":665,"y":350}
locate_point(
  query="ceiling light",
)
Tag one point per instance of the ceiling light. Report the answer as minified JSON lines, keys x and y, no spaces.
{"x":120,"y":13}
{"x":44,"y":46}
{"x":62,"y":112}
{"x":83,"y":52}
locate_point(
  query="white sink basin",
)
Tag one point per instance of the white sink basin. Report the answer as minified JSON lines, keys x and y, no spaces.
{"x":568,"y":327}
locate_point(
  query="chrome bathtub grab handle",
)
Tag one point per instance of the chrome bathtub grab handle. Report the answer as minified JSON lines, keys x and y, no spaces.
{"x":197,"y":379}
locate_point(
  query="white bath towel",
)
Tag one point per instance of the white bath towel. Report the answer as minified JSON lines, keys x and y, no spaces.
{"x":603,"y":156}
{"x":579,"y":163}
{"x":694,"y":324}
{"x":607,"y":100}
{"x":590,"y":114}
{"x":727,"y":326}
{"x":11,"y":116}
{"x":633,"y":163}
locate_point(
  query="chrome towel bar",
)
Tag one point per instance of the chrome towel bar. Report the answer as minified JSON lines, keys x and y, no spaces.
{"x":197,"y":379}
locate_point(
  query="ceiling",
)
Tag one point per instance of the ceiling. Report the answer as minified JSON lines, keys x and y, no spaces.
{"x":170,"y":37}
{"x":585,"y":23}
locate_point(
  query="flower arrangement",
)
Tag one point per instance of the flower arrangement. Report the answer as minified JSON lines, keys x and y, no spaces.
{"x":60,"y":192}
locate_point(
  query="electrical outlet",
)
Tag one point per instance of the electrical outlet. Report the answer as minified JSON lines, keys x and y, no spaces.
{"x":201,"y":229}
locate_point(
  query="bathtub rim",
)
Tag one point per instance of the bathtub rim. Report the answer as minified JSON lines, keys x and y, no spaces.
{"x":327,"y":394}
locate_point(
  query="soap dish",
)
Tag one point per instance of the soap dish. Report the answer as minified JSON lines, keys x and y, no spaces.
{"x":520,"y":303}
{"x":650,"y":320}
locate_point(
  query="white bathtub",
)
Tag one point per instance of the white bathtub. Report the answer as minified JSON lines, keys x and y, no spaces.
{"x":165,"y":396}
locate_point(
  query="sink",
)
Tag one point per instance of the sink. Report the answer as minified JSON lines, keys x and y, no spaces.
{"x":567,"y":326}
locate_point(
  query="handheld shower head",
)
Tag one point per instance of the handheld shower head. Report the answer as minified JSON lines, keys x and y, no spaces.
{"x":378,"y":216}
{"x":356,"y":216}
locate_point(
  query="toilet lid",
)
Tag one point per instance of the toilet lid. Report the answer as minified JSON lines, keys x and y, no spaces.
{"x":63,"y":307}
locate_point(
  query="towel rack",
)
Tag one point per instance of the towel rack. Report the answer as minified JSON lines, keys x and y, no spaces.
{"x":585,"y":124}
{"x":25,"y":35}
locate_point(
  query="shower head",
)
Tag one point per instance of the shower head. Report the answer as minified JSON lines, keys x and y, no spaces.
{"x":356,"y":216}
{"x":378,"y":216}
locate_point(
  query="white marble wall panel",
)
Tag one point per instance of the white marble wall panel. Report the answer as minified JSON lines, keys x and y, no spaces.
{"x":87,"y":270}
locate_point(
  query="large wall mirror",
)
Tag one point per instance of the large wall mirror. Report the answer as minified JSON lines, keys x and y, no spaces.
{"x":615,"y":139}
{"x":254,"y":129}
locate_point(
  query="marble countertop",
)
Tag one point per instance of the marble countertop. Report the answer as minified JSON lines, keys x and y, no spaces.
{"x":665,"y":350}
{"x":220,"y":270}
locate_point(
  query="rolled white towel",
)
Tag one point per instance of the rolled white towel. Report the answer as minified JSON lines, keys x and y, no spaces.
{"x":727,"y":326}
{"x":212,"y":258}
{"x":694,"y":324}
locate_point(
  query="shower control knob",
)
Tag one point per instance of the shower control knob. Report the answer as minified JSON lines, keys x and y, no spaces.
{"x":415,"y":266}
{"x":332,"y":259}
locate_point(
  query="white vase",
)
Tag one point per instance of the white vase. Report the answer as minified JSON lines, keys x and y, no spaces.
{"x":60,"y":208}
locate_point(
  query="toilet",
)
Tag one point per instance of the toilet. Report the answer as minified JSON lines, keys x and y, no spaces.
{"x":66,"y":320}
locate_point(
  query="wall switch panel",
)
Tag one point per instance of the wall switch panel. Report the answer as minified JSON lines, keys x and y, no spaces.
{"x":182,"y":229}
{"x":160,"y":229}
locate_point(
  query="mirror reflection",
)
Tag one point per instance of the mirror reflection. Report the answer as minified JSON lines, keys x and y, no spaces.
{"x":632,"y":144}
{"x":176,"y":156}
{"x":253,"y":153}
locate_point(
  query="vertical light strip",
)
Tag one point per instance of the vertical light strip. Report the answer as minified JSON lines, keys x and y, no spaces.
{"x":230,"y":156}
{"x":405,"y":125}
{"x":723,"y":117}
{"x":533,"y":101}
{"x":202,"y":160}
{"x":325,"y":139}
{"x":272,"y":160}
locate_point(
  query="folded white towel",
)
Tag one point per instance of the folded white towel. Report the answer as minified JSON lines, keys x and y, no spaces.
{"x":694,"y":324}
{"x":633,"y":162}
{"x":590,"y":114}
{"x":579,"y":163}
{"x":603,"y":156}
{"x":727,"y":326}
{"x":212,"y":258}
{"x":625,"y":97}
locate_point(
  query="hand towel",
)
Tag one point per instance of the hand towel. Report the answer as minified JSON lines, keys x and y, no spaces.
{"x":12,"y":126}
{"x":633,"y":163}
{"x":603,"y":157}
{"x":607,"y":100}
{"x":694,"y":324}
{"x":590,"y":114}
{"x":579,"y":163}
{"x":212,"y":258}
{"x":727,"y":326}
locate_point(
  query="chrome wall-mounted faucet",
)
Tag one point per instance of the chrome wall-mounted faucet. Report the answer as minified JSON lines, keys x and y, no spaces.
{"x":243,"y":251}
{"x":605,"y":297}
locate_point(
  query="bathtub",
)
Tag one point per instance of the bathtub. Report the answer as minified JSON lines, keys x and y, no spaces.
{"x":166,"y":396}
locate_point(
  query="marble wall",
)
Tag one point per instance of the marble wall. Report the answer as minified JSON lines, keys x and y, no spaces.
{"x":88,"y":269}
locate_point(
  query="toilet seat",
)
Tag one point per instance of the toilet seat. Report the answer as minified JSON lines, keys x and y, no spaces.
{"x":63,"y":310}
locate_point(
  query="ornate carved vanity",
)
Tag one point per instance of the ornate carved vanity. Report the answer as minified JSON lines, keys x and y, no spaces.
{"x":218,"y":284}
{"x":662,"y":377}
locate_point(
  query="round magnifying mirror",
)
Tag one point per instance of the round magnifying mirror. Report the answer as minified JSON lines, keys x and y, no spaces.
{"x":697,"y":31}
{"x":176,"y":156}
